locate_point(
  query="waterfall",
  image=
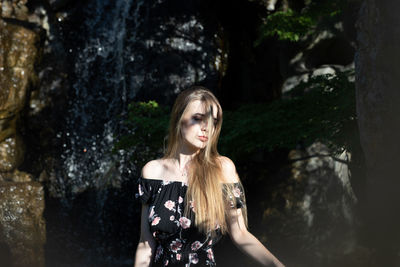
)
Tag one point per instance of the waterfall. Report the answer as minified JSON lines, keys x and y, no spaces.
{"x":94,"y":218}
{"x":99,"y":95}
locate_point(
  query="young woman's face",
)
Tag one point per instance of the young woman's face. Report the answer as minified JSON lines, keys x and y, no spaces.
{"x":194,"y":125}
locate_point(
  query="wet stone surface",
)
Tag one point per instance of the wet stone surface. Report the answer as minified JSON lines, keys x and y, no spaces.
{"x":22,"y":227}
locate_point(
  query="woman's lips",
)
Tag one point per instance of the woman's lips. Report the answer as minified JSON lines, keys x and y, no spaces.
{"x":203,"y":138}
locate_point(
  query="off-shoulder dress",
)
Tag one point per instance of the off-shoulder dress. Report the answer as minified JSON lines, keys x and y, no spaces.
{"x":178,"y":241}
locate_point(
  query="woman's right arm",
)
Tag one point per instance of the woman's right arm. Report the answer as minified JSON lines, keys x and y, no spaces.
{"x":146,"y":246}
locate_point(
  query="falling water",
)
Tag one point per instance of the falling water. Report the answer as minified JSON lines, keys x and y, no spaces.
{"x":88,"y":209}
{"x":99,"y":96}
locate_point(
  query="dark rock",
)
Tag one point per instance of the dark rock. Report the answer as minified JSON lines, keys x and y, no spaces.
{"x":19,"y":53}
{"x":377,"y":91}
{"x":14,"y":9}
{"x":22,"y":228}
{"x":308,"y":208}
{"x":59,"y":4}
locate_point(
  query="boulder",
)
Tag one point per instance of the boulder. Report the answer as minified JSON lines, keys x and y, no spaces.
{"x":22,"y":227}
{"x":18,"y":54}
{"x":14,"y":9}
{"x":310,"y":215}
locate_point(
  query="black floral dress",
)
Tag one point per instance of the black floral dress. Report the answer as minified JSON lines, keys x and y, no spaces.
{"x":179,"y":242}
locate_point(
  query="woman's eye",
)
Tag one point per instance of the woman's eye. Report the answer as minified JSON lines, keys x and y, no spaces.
{"x":197,"y":118}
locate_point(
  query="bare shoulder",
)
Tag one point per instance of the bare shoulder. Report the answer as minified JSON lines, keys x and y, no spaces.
{"x":153,"y":169}
{"x":228,"y":170}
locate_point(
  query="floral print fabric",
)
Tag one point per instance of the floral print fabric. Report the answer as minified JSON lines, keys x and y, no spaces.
{"x":179,"y":242}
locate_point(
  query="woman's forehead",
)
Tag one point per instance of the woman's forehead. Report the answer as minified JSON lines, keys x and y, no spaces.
{"x":201,"y":107}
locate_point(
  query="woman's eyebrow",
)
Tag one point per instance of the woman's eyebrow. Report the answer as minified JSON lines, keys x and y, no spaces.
{"x":202,"y":114}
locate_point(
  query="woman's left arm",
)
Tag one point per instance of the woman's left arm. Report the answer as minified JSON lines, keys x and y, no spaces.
{"x":247,"y":242}
{"x":238,"y":232}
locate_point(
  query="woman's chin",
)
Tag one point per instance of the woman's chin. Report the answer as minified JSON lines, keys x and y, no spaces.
{"x":201,"y":145}
{"x":195,"y":146}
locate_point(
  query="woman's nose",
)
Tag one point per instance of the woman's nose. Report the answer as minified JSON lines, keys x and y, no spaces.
{"x":204,"y":125}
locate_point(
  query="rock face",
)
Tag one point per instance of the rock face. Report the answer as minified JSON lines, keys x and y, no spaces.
{"x":309,"y":210}
{"x":17,"y":59}
{"x":323,"y":211}
{"x":377,"y":87}
{"x":22,"y":228}
{"x":14,"y":9}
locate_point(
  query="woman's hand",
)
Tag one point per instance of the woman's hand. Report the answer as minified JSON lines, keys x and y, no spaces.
{"x":145,"y":248}
{"x":248,"y":243}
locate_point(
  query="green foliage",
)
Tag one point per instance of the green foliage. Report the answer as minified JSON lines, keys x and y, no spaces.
{"x":321,"y":109}
{"x":291,"y":25}
{"x":287,"y":25}
{"x":148,"y":122}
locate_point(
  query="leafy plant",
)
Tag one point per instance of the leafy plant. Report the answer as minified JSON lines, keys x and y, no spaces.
{"x":321,"y":109}
{"x":148,"y":123}
{"x":291,"y":25}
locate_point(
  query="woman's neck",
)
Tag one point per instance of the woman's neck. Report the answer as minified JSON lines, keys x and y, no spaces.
{"x":184,"y":155}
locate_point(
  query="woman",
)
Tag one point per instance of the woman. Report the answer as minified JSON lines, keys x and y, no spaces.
{"x":193,"y":195}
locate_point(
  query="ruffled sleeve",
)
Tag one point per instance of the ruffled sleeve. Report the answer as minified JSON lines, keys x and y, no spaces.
{"x":145,"y":190}
{"x":235,"y":195}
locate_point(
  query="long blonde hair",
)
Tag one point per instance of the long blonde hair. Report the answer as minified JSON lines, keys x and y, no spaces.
{"x":205,"y":190}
